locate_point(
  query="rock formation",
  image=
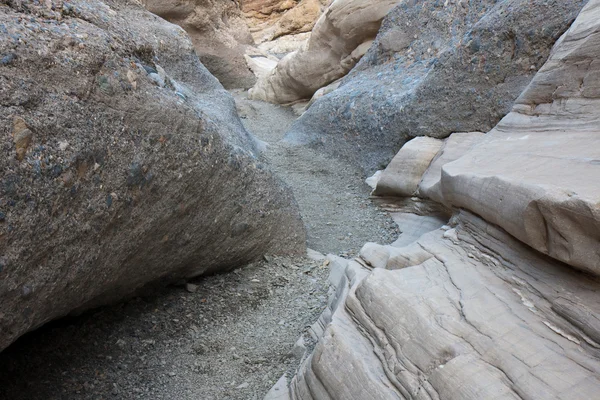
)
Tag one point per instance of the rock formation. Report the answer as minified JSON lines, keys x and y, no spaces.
{"x":340,"y":37}
{"x":434,"y":69}
{"x":502,"y":302}
{"x":123,"y":163}
{"x":272,"y":19}
{"x":219,"y":33}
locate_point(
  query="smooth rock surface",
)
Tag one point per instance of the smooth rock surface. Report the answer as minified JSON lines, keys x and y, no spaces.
{"x":434,"y":69}
{"x":109,"y":181}
{"x":483,"y":316}
{"x":219,"y":32}
{"x":537,"y":172}
{"x":333,"y":49}
{"x":454,"y":147}
{"x":402,"y":176}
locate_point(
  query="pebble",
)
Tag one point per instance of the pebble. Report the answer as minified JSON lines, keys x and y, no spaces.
{"x":191,"y":288}
{"x":157,"y":79}
{"x":8,"y":59}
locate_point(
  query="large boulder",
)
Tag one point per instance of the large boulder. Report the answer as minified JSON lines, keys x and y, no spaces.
{"x":123,"y":162}
{"x":434,"y":69}
{"x":340,"y":37}
{"x":219,"y":32}
{"x":502,"y":302}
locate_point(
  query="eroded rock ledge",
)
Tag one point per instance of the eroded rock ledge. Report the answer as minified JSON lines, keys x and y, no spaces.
{"x":502,"y":302}
{"x":468,"y":313}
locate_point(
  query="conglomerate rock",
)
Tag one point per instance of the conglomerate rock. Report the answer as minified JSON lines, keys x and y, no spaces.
{"x":435,"y":68}
{"x":123,"y":162}
{"x":502,"y":302}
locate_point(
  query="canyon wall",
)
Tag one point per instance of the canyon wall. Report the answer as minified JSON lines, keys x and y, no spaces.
{"x":500,"y":301}
{"x":272,"y":19}
{"x":219,"y":32}
{"x":435,"y":68}
{"x":339,"y":38}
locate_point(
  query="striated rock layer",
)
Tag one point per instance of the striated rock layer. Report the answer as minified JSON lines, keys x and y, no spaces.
{"x":435,"y":68}
{"x":122,"y":162}
{"x":501,"y":303}
{"x":471,"y":314}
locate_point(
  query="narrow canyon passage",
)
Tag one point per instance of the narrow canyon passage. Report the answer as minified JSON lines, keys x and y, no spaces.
{"x":185,"y":180}
{"x":228,"y":336}
{"x":332,"y":194}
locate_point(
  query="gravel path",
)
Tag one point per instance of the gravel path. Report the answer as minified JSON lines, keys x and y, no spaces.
{"x":229,"y":336}
{"x":333,"y":198}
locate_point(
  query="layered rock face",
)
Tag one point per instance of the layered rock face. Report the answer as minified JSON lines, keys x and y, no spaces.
{"x":340,"y":37}
{"x":123,"y":162}
{"x":272,"y":19}
{"x":435,"y":68}
{"x":219,"y":33}
{"x":502,"y":301}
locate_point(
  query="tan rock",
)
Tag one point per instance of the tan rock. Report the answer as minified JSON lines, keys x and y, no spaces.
{"x":22,"y":137}
{"x":453,"y":148}
{"x":342,"y":29}
{"x":536,"y":174}
{"x":219,"y":33}
{"x":402,"y":176}
{"x":299,"y":19}
{"x":271,"y":19}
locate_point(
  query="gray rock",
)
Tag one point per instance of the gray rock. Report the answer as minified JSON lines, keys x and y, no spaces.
{"x":434,"y":69}
{"x":149,"y":188}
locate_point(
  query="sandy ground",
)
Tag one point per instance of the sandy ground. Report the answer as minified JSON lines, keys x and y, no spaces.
{"x":229,"y":336}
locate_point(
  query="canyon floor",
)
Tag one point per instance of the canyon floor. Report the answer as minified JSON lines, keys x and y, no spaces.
{"x":228,"y":336}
